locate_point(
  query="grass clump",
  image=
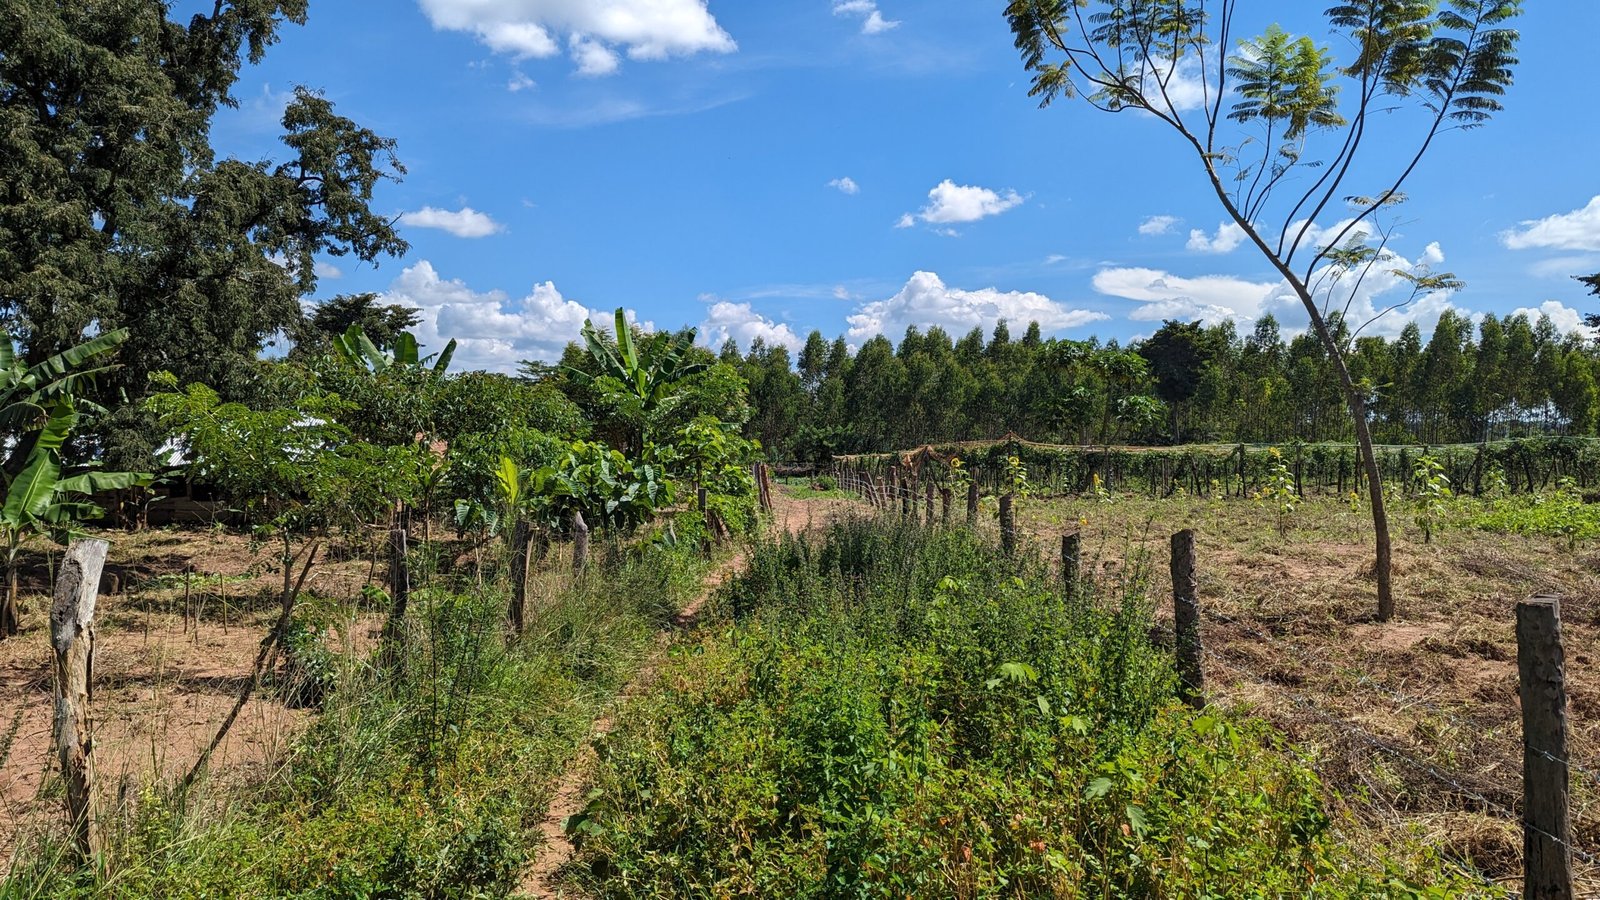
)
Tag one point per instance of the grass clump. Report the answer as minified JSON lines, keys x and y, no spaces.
{"x":902,"y":713}
{"x":423,"y":781}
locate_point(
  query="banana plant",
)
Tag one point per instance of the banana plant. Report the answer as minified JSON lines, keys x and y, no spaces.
{"x":649,"y":370}
{"x":355,"y":348}
{"x":38,"y":501}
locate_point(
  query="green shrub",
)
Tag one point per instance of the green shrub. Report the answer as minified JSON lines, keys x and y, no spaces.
{"x":905,"y":714}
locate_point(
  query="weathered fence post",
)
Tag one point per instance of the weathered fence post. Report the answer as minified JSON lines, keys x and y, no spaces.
{"x":1008,"y":525}
{"x":521,"y":556}
{"x":972,"y":504}
{"x":1071,"y":558}
{"x":944,"y":501}
{"x":580,"y":542}
{"x":399,"y":598}
{"x":72,"y":639}
{"x":903,"y":486}
{"x":1186,"y":619}
{"x":1546,"y":820}
{"x":928,"y":495}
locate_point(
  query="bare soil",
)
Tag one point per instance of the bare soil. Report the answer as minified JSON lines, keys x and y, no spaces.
{"x":167,"y":669}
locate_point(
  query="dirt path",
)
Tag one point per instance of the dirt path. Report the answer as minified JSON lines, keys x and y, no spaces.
{"x":542,"y":878}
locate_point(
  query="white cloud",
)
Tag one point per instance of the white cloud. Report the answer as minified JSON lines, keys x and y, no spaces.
{"x":1158,"y":225}
{"x":1227,"y":239}
{"x":594,"y":59}
{"x":950,"y":203}
{"x":1576,"y":230}
{"x":1054,"y":258}
{"x":648,"y":29}
{"x":1566,"y":318}
{"x":926,"y":300}
{"x":463,"y":223}
{"x":520,"y":82}
{"x":325,"y":269}
{"x":845,"y":185}
{"x":872,"y":20}
{"x":725,"y":320}
{"x":1207,"y":297}
{"x":492,"y":331}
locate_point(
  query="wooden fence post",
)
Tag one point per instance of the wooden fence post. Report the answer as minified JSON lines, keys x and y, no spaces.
{"x":399,"y":597}
{"x":72,"y":639}
{"x":1071,"y":558}
{"x":1008,"y":525}
{"x":944,"y":501}
{"x":521,"y":556}
{"x":1186,"y":619}
{"x":972,"y":504}
{"x":928,"y":495}
{"x":1546,"y":820}
{"x":580,"y":542}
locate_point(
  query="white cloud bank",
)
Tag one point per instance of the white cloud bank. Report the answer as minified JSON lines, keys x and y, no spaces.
{"x":872,"y":20}
{"x":493,"y":331}
{"x":950,"y":203}
{"x":1566,"y":318}
{"x":463,"y":223}
{"x":926,"y":300}
{"x":846,"y":185}
{"x":1214,"y":298}
{"x":726,"y":320}
{"x":593,"y":29}
{"x":1576,"y":230}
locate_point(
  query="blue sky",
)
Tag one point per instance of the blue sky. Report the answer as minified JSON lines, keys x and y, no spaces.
{"x":766,"y":168}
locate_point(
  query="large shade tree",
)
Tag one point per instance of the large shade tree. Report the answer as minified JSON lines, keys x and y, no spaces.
{"x":117,"y":212}
{"x":1285,"y":135}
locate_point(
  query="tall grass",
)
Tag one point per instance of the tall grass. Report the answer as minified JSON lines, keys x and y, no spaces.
{"x":428,"y":781}
{"x":903,"y":713}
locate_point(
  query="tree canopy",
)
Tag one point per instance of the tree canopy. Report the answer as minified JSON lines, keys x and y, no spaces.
{"x":117,"y":212}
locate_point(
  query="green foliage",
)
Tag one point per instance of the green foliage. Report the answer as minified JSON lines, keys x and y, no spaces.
{"x":638,"y":375}
{"x":130,"y":218}
{"x":291,"y":468}
{"x":428,"y":782}
{"x":610,"y":490}
{"x":1433,"y":495}
{"x":1559,"y":513}
{"x":896,"y":714}
{"x":1280,"y":490}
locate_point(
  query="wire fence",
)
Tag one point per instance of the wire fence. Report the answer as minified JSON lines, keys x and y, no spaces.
{"x":1498,"y":801}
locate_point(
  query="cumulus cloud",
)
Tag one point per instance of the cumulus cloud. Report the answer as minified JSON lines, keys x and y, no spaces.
{"x":1566,"y":318}
{"x":845,"y":185}
{"x":1158,"y":225}
{"x":1576,"y":230}
{"x":1209,"y":298}
{"x":738,"y":321}
{"x":520,"y":82}
{"x":1215,"y":298}
{"x":594,"y":29}
{"x":593,"y":58}
{"x":926,"y":300}
{"x":463,"y":223}
{"x":493,"y":331}
{"x":1227,"y":239}
{"x":872,"y":20}
{"x":950,"y":203}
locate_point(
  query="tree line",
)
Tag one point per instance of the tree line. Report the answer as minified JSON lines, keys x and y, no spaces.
{"x":1502,"y":377}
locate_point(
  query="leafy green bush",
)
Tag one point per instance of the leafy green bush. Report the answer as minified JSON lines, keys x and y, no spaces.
{"x":904,"y":714}
{"x":1560,"y":513}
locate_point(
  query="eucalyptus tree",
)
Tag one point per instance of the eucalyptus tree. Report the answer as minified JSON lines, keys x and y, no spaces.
{"x":1282,"y":131}
{"x":116,"y":211}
